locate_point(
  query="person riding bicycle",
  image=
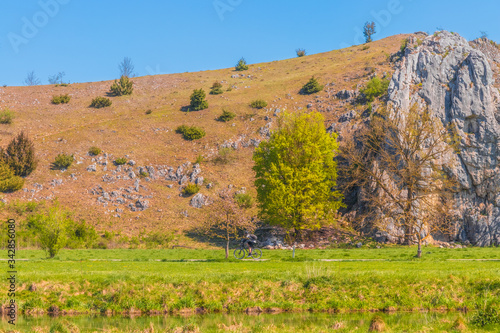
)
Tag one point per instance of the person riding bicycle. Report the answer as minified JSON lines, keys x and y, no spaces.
{"x":250,"y":240}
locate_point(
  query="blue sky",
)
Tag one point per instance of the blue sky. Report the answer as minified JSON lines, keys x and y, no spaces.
{"x":87,"y":39}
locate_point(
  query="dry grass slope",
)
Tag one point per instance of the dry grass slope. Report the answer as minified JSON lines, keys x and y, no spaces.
{"x":124,"y":129}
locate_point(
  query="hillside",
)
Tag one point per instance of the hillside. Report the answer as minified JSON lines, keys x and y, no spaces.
{"x":125,"y":130}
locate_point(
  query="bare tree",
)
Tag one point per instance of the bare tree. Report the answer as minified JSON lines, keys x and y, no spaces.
{"x":368,"y":31}
{"x":393,"y":159}
{"x":57,"y":78}
{"x":32,"y":79}
{"x":226,"y":219}
{"x":126,"y":68}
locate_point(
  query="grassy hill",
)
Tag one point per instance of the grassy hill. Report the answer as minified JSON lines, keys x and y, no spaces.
{"x":126,"y":130}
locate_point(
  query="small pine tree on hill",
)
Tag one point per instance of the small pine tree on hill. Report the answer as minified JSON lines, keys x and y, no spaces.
{"x":122,"y":87}
{"x":198,"y":101}
{"x":241,"y":65}
{"x":20,"y":155}
{"x":311,"y":87}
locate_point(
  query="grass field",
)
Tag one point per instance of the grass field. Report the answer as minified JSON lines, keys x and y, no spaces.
{"x":140,"y":284}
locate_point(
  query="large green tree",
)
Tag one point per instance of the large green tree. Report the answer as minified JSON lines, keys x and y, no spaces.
{"x":296,"y":174}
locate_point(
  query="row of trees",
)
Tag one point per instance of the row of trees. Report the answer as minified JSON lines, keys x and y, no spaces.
{"x":126,"y":68}
{"x":393,"y":159}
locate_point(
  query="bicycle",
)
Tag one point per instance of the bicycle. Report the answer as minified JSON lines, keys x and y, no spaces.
{"x":243,"y":251}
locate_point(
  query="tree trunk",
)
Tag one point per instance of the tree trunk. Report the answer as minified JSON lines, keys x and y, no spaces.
{"x":419,"y":251}
{"x":293,"y":250}
{"x":227,"y":249}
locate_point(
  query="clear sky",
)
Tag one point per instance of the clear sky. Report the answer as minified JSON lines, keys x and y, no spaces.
{"x":87,"y":39}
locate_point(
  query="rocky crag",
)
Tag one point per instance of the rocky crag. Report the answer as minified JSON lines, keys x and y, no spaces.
{"x":456,"y":80}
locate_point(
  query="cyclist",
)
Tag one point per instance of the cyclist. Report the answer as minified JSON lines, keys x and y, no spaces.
{"x":250,"y":240}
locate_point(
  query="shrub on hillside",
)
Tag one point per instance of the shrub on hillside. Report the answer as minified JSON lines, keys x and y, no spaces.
{"x":20,"y":155}
{"x":216,"y":89}
{"x":226,"y":116}
{"x":63,"y":161}
{"x":375,"y":88}
{"x":94,"y":151}
{"x":224,"y":156}
{"x":191,"y":132}
{"x":61,"y":99}
{"x":120,"y":161}
{"x":198,"y":101}
{"x":190,"y":189}
{"x":258,"y":104}
{"x":9,"y":182}
{"x":244,"y":200}
{"x":122,"y":87}
{"x":149,"y":111}
{"x":300,"y":52}
{"x":311,"y":87}
{"x":241,"y":65}
{"x":6,"y":117}
{"x":100,"y":102}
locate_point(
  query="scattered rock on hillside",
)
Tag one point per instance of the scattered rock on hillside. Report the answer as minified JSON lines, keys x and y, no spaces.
{"x":92,"y":168}
{"x":199,"y":200}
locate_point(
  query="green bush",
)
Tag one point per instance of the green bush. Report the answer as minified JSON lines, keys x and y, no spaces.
{"x":198,"y":101}
{"x":404,"y":44}
{"x":258,"y":104}
{"x":241,"y":65}
{"x":190,"y":189}
{"x":6,"y":117}
{"x":244,"y":200}
{"x":226,"y":116}
{"x":199,"y":159}
{"x":121,"y":161}
{"x":81,"y":235}
{"x":149,"y":111}
{"x":122,"y":87}
{"x":63,"y":161}
{"x":94,"y":151}
{"x":158,"y":240}
{"x":143,"y":174}
{"x":190,"y":132}
{"x":20,"y":155}
{"x":311,"y":87}
{"x":51,"y":229}
{"x":224,"y":156}
{"x":61,"y":99}
{"x":9,"y":182}
{"x":216,"y":89}
{"x":300,"y":52}
{"x":100,"y":102}
{"x":375,"y":88}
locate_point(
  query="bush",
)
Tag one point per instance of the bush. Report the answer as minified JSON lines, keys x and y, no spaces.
{"x":61,"y":99}
{"x":375,"y":88}
{"x":216,"y":89}
{"x":6,"y":117}
{"x":121,"y":161}
{"x":100,"y":102}
{"x":81,"y":235}
{"x":258,"y":104}
{"x":404,"y":44}
{"x":198,"y":101}
{"x":63,"y":161}
{"x":94,"y":151}
{"x":190,"y":132}
{"x":224,"y":156}
{"x":9,"y":182}
{"x":122,"y":87}
{"x":143,"y":174}
{"x":190,"y":189}
{"x":244,"y":200}
{"x":51,"y":228}
{"x":199,"y":159}
{"x":241,"y":65}
{"x":300,"y":52}
{"x":149,"y":111}
{"x":311,"y":87}
{"x":20,"y":155}
{"x":226,"y":116}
